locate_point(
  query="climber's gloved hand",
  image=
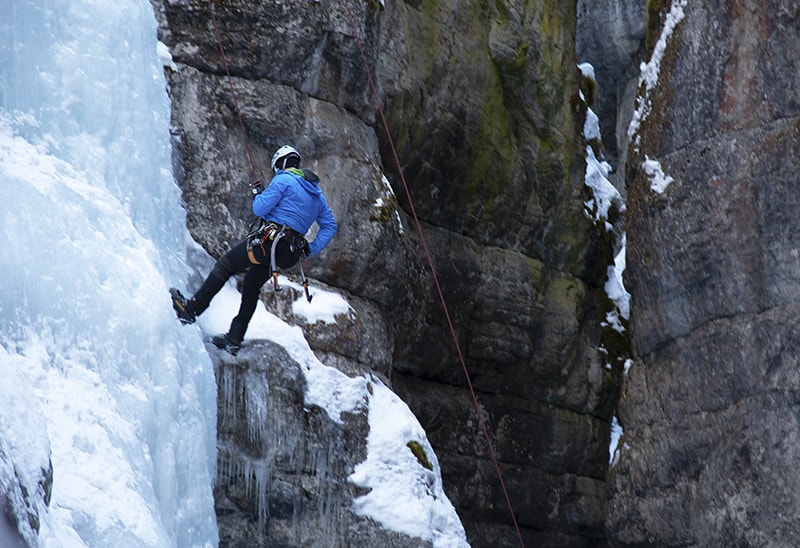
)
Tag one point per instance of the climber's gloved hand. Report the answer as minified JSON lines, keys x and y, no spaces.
{"x":256,"y":188}
{"x":305,"y":248}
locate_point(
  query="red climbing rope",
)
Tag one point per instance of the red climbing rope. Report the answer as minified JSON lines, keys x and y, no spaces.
{"x":433,"y":273}
{"x":253,"y":172}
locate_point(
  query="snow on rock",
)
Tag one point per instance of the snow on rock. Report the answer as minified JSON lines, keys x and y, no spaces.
{"x":616,"y":435}
{"x":615,"y":288}
{"x":659,"y":181}
{"x":405,"y":495}
{"x":649,"y":71}
{"x":604,"y":194}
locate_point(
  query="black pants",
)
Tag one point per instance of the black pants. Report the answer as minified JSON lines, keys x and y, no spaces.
{"x":236,"y":261}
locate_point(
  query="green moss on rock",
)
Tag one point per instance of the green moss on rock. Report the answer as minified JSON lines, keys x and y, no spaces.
{"x":492,"y":152}
{"x":537,"y":267}
{"x":419,"y":452}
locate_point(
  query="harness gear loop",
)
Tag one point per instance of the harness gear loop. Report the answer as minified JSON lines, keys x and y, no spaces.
{"x":277,"y":237}
{"x":258,"y":237}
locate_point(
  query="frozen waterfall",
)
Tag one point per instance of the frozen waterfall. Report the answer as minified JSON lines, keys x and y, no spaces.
{"x":97,"y":375}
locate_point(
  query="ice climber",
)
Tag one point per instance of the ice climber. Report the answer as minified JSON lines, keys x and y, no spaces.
{"x":287,"y":208}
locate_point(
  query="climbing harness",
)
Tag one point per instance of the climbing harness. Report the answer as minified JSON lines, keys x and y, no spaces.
{"x":270,"y":234}
{"x":481,"y":420}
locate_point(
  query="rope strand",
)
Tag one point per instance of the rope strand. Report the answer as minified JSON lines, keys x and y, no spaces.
{"x":253,"y":172}
{"x":434,"y":275}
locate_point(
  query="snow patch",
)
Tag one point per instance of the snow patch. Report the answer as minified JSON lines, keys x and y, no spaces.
{"x":587,"y":70}
{"x":591,"y":127}
{"x":165,"y":56}
{"x":615,"y":288}
{"x":604,"y":194}
{"x":324,"y":307}
{"x":613,"y":448}
{"x":389,"y":200}
{"x":404,"y":496}
{"x":659,"y":181}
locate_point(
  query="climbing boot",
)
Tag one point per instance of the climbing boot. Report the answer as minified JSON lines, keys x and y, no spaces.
{"x":226,"y":343}
{"x":182,"y":307}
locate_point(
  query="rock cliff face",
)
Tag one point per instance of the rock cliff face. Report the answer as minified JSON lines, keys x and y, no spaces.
{"x":482,"y":106}
{"x":483,"y":109}
{"x":710,"y":407}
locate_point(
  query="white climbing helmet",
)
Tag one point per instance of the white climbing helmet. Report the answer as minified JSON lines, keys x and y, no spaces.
{"x":282,"y":155}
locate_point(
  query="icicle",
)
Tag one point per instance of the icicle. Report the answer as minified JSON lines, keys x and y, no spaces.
{"x":228,"y":390}
{"x":256,"y":396}
{"x":255,"y":475}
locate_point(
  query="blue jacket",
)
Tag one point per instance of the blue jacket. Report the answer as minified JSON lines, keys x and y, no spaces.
{"x":293,"y":198}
